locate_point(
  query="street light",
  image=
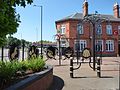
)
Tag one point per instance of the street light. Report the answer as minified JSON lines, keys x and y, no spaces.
{"x":58,"y":36}
{"x":93,"y":19}
{"x":41,"y":27}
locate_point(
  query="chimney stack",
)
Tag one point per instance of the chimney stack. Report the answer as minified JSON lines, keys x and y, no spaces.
{"x":116,"y":10}
{"x":85,"y":8}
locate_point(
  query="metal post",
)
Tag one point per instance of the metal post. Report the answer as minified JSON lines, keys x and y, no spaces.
{"x":71,"y":68}
{"x":98,"y":67}
{"x":59,"y":52}
{"x":94,"y":62}
{"x":93,"y":19}
{"x":41,"y":27}
{"x":41,"y":34}
{"x":78,"y":44}
{"x":23,"y":45}
{"x":78,"y":53}
{"x":2,"y":54}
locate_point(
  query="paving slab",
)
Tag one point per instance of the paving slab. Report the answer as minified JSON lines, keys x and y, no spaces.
{"x":85,"y":78}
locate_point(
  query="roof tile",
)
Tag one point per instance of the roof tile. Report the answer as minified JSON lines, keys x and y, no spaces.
{"x":79,"y":16}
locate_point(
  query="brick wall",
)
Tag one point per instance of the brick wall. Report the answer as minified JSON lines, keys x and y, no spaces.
{"x":37,"y":81}
{"x":71,"y":32}
{"x":41,"y":84}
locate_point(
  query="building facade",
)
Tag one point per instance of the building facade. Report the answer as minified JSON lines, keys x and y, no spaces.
{"x":107,"y":32}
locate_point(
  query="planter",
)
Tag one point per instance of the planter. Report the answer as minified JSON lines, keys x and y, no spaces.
{"x":37,"y":81}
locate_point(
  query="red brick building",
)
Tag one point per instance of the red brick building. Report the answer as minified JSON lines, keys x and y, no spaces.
{"x":107,"y":33}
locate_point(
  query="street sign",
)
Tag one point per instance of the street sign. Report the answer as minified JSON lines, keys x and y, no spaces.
{"x":51,"y":52}
{"x":33,"y":52}
{"x":68,"y":52}
{"x":115,"y":32}
{"x":86,"y":53}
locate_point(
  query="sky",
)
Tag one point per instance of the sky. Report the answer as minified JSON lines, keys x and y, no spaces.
{"x":53,"y":10}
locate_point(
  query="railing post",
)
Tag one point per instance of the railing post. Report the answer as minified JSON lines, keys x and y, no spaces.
{"x":59,"y":52}
{"x":98,"y":67}
{"x":23,"y":45}
{"x":71,"y":68}
{"x":2,"y":54}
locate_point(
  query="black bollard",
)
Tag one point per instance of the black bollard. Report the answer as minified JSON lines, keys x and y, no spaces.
{"x":71,"y":68}
{"x":98,"y":67}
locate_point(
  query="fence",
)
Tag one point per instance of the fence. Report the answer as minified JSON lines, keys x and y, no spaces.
{"x":5,"y":52}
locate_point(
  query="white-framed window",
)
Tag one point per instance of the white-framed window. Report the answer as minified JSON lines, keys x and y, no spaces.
{"x":99,"y":45}
{"x":83,"y":44}
{"x":119,"y":30}
{"x":99,"y":29}
{"x":109,"y":29}
{"x":109,"y":45}
{"x":80,"y":28}
{"x":63,"y":29}
{"x":80,"y":45}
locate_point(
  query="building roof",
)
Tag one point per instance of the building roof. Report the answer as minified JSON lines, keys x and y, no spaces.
{"x":78,"y":16}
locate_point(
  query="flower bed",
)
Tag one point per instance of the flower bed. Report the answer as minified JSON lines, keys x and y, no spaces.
{"x":37,"y":81}
{"x":13,"y":72}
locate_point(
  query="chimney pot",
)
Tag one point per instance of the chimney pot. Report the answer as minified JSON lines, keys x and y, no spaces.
{"x":116,"y":10}
{"x":85,"y":8}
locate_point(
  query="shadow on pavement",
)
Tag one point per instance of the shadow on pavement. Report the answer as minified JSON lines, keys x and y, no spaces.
{"x":61,"y":65}
{"x":109,"y":70}
{"x":94,"y":77}
{"x":57,"y":84}
{"x":79,"y":77}
{"x":106,"y":77}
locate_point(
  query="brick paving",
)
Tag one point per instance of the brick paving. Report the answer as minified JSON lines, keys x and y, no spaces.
{"x":85,"y":77}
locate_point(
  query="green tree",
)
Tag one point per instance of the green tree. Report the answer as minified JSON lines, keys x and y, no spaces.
{"x":9,"y":18}
{"x":12,"y":40}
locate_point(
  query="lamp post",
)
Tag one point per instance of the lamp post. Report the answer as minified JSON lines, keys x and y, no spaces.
{"x":79,"y":26}
{"x":58,"y":38}
{"x":93,"y":19}
{"x":41,"y":7}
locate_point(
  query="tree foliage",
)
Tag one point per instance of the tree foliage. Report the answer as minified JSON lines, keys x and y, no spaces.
{"x":45,"y":41}
{"x":12,"y":40}
{"x":9,"y":18}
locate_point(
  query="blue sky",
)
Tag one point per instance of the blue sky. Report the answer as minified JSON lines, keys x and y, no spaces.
{"x":29,"y":28}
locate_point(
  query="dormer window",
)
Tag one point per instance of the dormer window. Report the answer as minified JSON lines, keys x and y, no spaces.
{"x":80,"y":29}
{"x":109,"y":29}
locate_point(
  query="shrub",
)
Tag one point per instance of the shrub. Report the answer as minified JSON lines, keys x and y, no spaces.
{"x":23,"y":65}
{"x":8,"y":70}
{"x":36,"y":64}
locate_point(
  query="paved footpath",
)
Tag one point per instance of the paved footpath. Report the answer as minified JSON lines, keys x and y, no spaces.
{"x":85,"y":77}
